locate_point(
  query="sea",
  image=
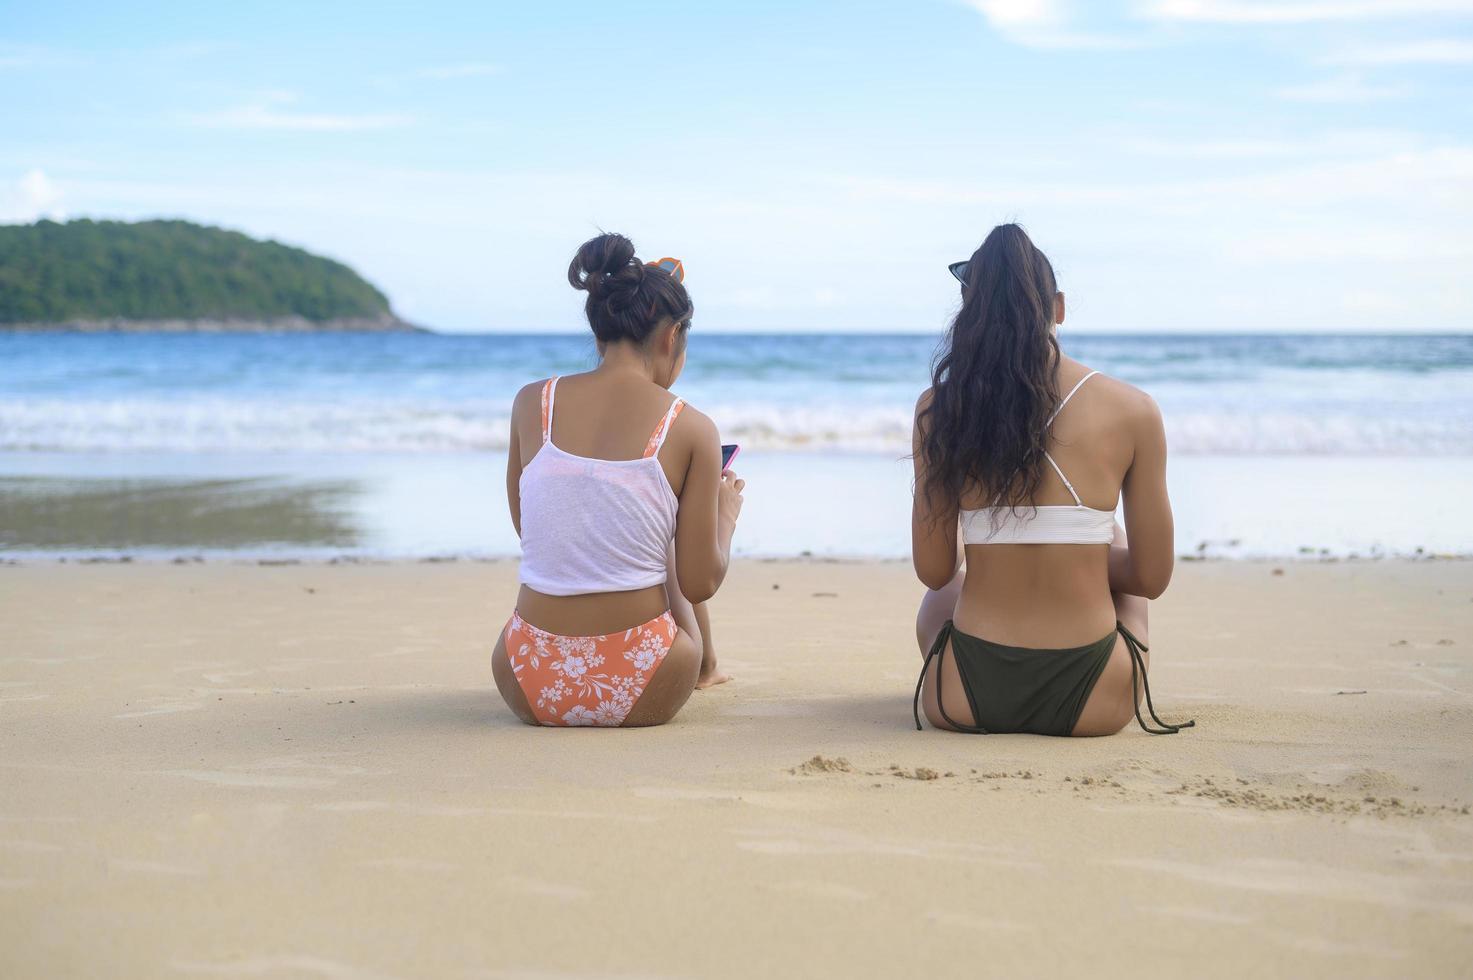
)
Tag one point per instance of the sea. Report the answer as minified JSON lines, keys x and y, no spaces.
{"x":365,"y":446}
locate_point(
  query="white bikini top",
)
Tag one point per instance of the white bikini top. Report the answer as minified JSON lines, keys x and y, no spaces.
{"x":595,"y":525}
{"x":1047,"y":523}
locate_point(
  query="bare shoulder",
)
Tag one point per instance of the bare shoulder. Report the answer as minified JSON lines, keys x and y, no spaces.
{"x":1133,"y":404}
{"x":694,"y":425}
{"x":530,"y":395}
{"x":922,"y":419}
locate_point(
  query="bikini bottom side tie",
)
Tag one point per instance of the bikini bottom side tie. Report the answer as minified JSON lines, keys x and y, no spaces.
{"x":1137,"y":662}
{"x":1024,"y":689}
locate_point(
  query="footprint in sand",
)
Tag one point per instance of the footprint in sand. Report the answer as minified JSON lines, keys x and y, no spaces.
{"x":546,"y":889}
{"x":409,"y":864}
{"x":152,"y":868}
{"x":167,"y":708}
{"x":249,"y":779}
{"x":289,"y":964}
{"x":824,"y":889}
{"x":17,"y":698}
{"x":30,"y":846}
{"x":758,"y":798}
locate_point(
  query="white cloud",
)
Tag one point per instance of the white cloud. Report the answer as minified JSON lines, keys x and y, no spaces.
{"x":1303,"y":233}
{"x":1020,"y":13}
{"x":1065,"y":24}
{"x":33,"y":196}
{"x":267,"y":112}
{"x":1323,"y":145}
{"x":1044,"y":24}
{"x":1294,"y":11}
{"x":1445,"y":51}
{"x":1299,"y":231}
{"x":18,"y":57}
{"x":1343,"y":88}
{"x":1343,"y":241}
{"x":469,"y":70}
{"x":1434,"y":179}
{"x":1222,"y":149}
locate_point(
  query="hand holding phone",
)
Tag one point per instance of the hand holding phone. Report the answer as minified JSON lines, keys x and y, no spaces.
{"x":729,"y":501}
{"x":729,"y":495}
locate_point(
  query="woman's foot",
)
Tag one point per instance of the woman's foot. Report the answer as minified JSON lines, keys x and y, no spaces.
{"x":712,"y":677}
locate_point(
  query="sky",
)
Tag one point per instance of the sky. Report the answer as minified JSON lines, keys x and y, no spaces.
{"x":1187,"y":165}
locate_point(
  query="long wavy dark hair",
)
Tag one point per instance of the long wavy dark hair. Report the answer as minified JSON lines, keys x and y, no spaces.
{"x":993,"y":381}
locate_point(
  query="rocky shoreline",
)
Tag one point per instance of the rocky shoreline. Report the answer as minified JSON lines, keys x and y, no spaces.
{"x":387,"y":323}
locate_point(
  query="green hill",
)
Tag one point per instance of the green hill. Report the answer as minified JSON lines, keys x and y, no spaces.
{"x":177,"y":275}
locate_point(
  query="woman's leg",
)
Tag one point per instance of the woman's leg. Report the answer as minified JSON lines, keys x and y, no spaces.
{"x":937,"y":606}
{"x":680,"y":607}
{"x":670,"y":687}
{"x":711,"y":675}
{"x":695,"y":621}
{"x":1110,"y":706}
{"x":506,"y":682}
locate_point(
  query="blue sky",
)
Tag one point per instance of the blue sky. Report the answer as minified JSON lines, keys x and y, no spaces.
{"x":1187,"y":164}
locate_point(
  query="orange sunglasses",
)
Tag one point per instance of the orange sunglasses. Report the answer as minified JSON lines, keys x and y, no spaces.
{"x":673,"y":266}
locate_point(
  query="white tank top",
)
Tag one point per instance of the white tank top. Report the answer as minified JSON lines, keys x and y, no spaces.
{"x":1045,"y":524}
{"x":595,"y":525}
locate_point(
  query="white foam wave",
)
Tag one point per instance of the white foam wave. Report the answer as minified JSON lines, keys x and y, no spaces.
{"x":251,"y":425}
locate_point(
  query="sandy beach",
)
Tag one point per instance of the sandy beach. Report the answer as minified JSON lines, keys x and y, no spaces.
{"x":304,"y":770}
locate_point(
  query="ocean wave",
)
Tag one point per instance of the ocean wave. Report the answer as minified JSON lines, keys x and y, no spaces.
{"x":356,"y":426}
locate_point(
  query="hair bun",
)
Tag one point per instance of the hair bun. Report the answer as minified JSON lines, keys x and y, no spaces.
{"x":625,"y":301}
{"x":601,"y":262}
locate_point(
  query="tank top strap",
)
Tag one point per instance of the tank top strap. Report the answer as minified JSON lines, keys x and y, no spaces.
{"x":657,"y":438}
{"x":549,"y":392}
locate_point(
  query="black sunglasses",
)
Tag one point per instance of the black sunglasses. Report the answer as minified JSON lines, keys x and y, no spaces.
{"x":959,"y":269}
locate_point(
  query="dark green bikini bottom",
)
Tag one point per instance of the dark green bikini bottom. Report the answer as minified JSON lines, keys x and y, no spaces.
{"x":1025,"y":689}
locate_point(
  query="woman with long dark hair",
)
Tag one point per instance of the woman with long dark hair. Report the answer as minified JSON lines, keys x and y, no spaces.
{"x":605,"y":470}
{"x":1037,"y":616}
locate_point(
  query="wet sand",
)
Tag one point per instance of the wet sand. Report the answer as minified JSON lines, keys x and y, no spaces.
{"x":160,"y":515}
{"x":324,"y":504}
{"x":238,"y":770}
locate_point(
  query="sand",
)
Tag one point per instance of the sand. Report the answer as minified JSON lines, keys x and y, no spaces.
{"x":304,"y":770}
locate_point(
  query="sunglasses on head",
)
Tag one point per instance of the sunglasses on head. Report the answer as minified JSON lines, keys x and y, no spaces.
{"x":675,"y":267}
{"x":959,"y":269}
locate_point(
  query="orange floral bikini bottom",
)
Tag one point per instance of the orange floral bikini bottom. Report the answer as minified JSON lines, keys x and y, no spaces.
{"x":586,"y":680}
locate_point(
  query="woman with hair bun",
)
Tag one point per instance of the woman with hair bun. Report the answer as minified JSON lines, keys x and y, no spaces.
{"x":625,"y":515}
{"x":1037,"y":618}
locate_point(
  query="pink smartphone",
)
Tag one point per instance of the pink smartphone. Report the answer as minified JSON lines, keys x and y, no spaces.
{"x":728,"y":453}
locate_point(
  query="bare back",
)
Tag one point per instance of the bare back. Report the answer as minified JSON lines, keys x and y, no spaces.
{"x":1107,"y":441}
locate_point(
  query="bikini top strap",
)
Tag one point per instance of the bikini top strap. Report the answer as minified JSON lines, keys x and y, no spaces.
{"x":1066,"y":400}
{"x":657,"y":438}
{"x":1072,"y":492}
{"x":549,"y":392}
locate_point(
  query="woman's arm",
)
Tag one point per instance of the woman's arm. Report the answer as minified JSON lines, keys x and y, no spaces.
{"x":709,"y":504}
{"x":1144,"y":566}
{"x":934,"y":536}
{"x":531,"y":394}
